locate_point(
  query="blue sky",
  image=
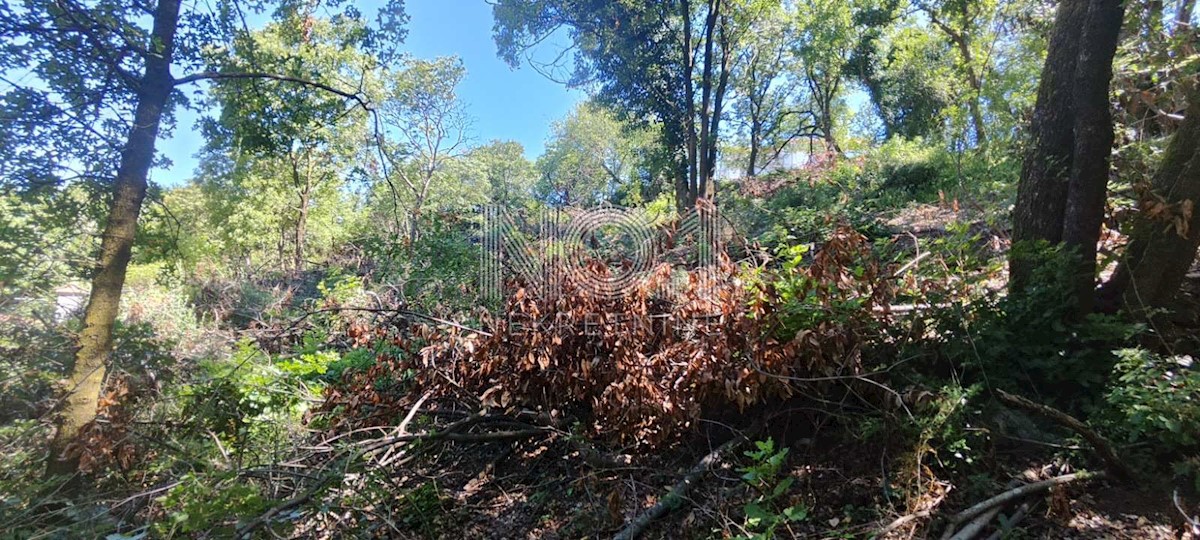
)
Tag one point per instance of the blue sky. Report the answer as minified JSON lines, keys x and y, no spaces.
{"x":504,"y":103}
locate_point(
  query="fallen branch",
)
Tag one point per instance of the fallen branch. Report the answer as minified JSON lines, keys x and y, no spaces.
{"x":1102,"y":446}
{"x":1008,"y":525}
{"x":972,"y":529}
{"x":1193,"y":522}
{"x":1018,"y":493}
{"x":674,"y":498}
{"x":289,"y":504}
{"x":902,"y":521}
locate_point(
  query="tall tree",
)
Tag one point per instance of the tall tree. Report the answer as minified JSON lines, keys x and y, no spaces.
{"x":310,"y":135}
{"x":1060,"y":197}
{"x":589,"y":158}
{"x":766,"y":96}
{"x":422,"y":112}
{"x":500,"y":171}
{"x":960,"y":21}
{"x":1166,"y":232}
{"x":666,"y":64}
{"x":824,"y":46}
{"x":129,"y":190}
{"x":107,"y":64}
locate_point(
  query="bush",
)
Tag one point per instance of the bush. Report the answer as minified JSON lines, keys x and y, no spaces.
{"x":1031,"y":342}
{"x":1154,"y":401}
{"x":644,"y":367}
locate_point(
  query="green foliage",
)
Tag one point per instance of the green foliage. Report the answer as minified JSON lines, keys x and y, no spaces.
{"x":209,"y":504}
{"x":1031,"y":342}
{"x":768,"y":509}
{"x":244,"y":391}
{"x":40,"y":240}
{"x":944,"y":427}
{"x":423,"y":509}
{"x":593,"y":157}
{"x":1154,"y":402}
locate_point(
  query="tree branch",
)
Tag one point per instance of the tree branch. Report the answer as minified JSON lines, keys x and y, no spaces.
{"x":209,"y":76}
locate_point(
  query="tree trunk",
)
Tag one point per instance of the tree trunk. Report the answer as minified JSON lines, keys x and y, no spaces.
{"x":977,"y":110}
{"x":129,"y":189}
{"x":705,"y":167}
{"x":710,"y":192}
{"x":1045,"y":174}
{"x":751,"y":165}
{"x":1060,"y":198}
{"x":1160,"y":252}
{"x":1088,"y":185}
{"x":414,"y":223}
{"x":301,"y":230}
{"x":303,"y":183}
{"x":976,"y":83}
{"x":688,"y":199}
{"x":1183,"y":15}
{"x":962,"y":41}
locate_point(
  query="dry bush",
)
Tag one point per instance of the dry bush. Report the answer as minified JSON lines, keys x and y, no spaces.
{"x":644,"y":366}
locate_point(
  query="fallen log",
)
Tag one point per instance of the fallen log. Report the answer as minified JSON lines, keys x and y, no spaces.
{"x":674,"y":498}
{"x":1103,"y":448}
{"x":1008,"y":525}
{"x":1014,"y":494}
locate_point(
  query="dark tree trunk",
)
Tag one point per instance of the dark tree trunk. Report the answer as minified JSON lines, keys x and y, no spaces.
{"x":301,"y":230}
{"x":1088,"y":186}
{"x":1183,"y":14}
{"x":1060,"y":199}
{"x":1045,"y":174}
{"x":709,"y":190}
{"x":1160,"y":252}
{"x":129,"y":190}
{"x":304,"y":184}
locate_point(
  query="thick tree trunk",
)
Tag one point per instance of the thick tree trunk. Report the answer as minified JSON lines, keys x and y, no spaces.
{"x":129,"y":189}
{"x":752,"y":160}
{"x":1160,"y":251}
{"x":710,"y":191}
{"x":1088,"y":185}
{"x":687,"y":198}
{"x":1045,"y":174}
{"x":1060,"y":199}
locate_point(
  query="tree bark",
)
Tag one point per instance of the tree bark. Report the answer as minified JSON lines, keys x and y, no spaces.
{"x":1088,"y":186}
{"x":1183,"y":14}
{"x":1045,"y":173}
{"x":710,"y":190}
{"x":301,"y":229}
{"x":687,"y":199}
{"x":1160,"y":252}
{"x":129,"y":190}
{"x":303,"y":183}
{"x":1060,"y":198}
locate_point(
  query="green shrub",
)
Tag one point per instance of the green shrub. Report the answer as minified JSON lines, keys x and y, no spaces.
{"x":1154,"y":402}
{"x":1031,"y":343}
{"x":209,"y":504}
{"x":768,"y":508}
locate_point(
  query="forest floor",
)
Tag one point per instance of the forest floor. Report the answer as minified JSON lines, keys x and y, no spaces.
{"x":841,"y":470}
{"x":545,"y":488}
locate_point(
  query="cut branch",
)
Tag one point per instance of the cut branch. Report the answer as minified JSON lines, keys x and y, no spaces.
{"x":1102,"y":446}
{"x":1019,"y":493}
{"x":673,"y":499}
